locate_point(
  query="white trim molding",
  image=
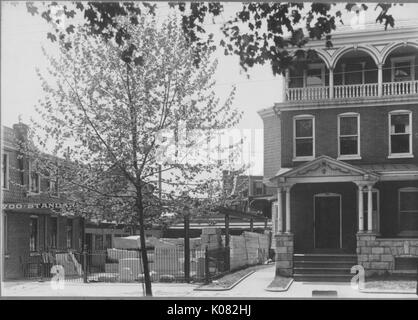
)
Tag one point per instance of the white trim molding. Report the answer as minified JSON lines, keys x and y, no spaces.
{"x":303,"y":117}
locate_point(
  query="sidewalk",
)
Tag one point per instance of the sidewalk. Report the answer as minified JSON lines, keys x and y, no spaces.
{"x":251,"y":287}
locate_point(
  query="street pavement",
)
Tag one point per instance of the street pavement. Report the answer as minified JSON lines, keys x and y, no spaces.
{"x":251,"y":287}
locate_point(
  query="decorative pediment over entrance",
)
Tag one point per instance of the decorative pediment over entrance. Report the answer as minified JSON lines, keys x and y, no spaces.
{"x":324,"y":169}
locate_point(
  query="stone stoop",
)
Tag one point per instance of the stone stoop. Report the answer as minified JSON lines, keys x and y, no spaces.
{"x":323,"y":267}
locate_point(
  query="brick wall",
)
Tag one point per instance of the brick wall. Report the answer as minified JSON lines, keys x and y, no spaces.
{"x":373,"y":133}
{"x":377,"y":255}
{"x":272,"y":145}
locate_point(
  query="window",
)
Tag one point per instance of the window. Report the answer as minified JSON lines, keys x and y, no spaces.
{"x":108,"y":243}
{"x":353,"y":73}
{"x":400,"y":137}
{"x":98,"y":242}
{"x":375,"y":210}
{"x":53,"y":236}
{"x":33,"y":240}
{"x":304,"y":141}
{"x":348,"y":135}
{"x":258,"y":188}
{"x":315,"y":75}
{"x":69,"y":233}
{"x":403,"y":69}
{"x":5,"y":171}
{"x":34,"y":179}
{"x":53,"y":187}
{"x":408,"y":210}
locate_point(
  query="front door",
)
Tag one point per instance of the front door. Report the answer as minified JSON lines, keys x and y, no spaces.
{"x":327,"y":221}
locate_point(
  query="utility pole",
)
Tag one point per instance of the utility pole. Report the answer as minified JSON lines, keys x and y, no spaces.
{"x":187,"y":246}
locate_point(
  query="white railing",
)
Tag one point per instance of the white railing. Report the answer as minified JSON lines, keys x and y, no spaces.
{"x":309,"y":93}
{"x":352,"y":91}
{"x":356,"y":91}
{"x":400,"y":88}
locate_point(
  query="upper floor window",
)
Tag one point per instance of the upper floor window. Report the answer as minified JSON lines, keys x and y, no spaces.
{"x":315,"y":75}
{"x":34,"y":179}
{"x":400,"y":133}
{"x":304,"y":137}
{"x":5,"y":171}
{"x":258,"y":188}
{"x":403,"y":68}
{"x":408,"y":210}
{"x":349,"y":135}
{"x":353,"y":73}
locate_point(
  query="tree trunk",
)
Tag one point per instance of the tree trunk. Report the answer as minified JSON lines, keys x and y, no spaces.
{"x":147,"y":278}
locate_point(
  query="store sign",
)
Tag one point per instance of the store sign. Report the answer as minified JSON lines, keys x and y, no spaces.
{"x":44,"y":205}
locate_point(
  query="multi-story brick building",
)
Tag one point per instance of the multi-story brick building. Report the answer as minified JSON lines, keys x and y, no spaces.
{"x":32,"y":206}
{"x":341,"y":156}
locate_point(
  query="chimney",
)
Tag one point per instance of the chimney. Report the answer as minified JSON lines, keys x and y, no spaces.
{"x":21,"y":132}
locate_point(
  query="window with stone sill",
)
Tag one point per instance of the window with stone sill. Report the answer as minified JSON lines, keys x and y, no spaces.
{"x":408,"y":210}
{"x":34,"y":179}
{"x":303,"y":137}
{"x":400,"y":133}
{"x":348,"y":135}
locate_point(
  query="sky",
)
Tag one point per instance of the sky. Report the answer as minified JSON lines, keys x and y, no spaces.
{"x":23,"y":36}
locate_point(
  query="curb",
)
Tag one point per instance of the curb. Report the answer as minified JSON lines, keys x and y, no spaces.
{"x":387,"y":292}
{"x":276,"y":289}
{"x":224,"y":289}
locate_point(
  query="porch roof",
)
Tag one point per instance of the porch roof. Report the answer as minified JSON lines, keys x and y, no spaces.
{"x":325,"y":169}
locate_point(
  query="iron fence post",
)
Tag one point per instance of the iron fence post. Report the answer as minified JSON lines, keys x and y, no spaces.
{"x":207,"y":276}
{"x":84,"y":264}
{"x":417,"y":281}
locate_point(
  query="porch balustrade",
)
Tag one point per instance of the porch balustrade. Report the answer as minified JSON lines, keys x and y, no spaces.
{"x":352,"y":91}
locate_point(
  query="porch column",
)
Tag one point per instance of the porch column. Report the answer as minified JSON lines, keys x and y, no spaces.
{"x":286,"y":85}
{"x":379,"y":79}
{"x":369,"y":208}
{"x":279,"y":211}
{"x":288,"y":210}
{"x":331,"y":83}
{"x":360,"y":209}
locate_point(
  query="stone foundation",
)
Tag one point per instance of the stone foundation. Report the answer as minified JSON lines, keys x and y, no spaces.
{"x":377,"y":255}
{"x":284,"y":254}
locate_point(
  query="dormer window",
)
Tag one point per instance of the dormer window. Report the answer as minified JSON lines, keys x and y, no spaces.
{"x":400,"y":134}
{"x":403,"y":69}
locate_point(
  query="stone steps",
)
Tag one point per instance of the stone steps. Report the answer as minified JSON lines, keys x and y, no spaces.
{"x":323,"y":267}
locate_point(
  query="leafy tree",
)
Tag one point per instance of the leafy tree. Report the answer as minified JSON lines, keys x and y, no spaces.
{"x":126,"y":123}
{"x":260,"y":33}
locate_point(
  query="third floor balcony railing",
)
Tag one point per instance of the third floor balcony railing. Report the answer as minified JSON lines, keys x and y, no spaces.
{"x":352,"y":91}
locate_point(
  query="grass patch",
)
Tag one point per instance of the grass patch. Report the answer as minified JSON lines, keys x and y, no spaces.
{"x":279,"y":283}
{"x":391,"y":283}
{"x":229,"y":279}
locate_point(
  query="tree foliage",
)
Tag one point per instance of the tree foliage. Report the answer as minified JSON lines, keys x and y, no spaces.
{"x":126,"y":122}
{"x":261,"y":32}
